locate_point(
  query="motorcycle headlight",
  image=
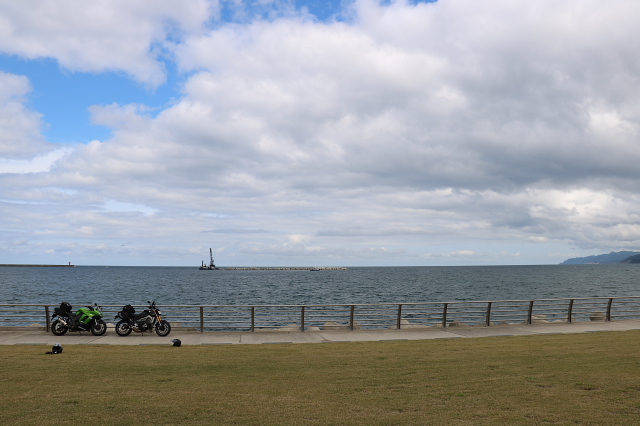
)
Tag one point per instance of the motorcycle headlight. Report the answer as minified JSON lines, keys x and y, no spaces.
{"x":159,"y":312}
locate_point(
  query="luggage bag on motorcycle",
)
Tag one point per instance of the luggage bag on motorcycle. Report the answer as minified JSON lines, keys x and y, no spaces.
{"x":126,"y":312}
{"x":63,"y":310}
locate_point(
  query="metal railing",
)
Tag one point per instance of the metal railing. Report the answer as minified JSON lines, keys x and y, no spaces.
{"x":361,"y":316}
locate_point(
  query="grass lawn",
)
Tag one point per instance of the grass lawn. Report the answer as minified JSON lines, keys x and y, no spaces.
{"x":586,"y":379}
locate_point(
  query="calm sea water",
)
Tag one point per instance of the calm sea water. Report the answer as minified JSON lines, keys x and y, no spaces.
{"x":184,"y":286}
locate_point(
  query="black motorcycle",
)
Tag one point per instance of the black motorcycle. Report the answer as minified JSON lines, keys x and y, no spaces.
{"x":143,"y":322}
{"x":85,"y":319}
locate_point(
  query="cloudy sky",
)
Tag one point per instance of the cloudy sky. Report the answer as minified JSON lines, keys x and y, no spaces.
{"x":355,"y":133}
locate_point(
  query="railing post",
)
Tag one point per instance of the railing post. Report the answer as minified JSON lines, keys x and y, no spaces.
{"x":351,"y":315}
{"x":253,"y":318}
{"x":444,"y":315}
{"x":201,"y":319}
{"x":530,"y":312}
{"x":609,"y":308}
{"x":488,"y":322}
{"x":399,"y":316}
{"x":570,"y":310}
{"x":48,"y":318}
{"x":302,"y":318}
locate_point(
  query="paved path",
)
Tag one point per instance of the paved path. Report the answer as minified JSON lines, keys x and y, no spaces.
{"x":37,"y":336}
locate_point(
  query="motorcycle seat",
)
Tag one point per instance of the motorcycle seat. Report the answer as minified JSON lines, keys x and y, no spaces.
{"x":140,"y":315}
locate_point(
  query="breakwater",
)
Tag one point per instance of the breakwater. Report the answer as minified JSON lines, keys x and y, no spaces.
{"x":35,"y":266}
{"x":256,"y":268}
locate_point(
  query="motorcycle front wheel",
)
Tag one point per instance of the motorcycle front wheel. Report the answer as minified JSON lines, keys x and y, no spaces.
{"x":58,"y":328}
{"x":98,"y":328}
{"x":163,"y":328}
{"x":123,"y":328}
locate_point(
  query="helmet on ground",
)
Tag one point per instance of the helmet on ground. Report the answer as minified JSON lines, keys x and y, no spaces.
{"x":56,"y":349}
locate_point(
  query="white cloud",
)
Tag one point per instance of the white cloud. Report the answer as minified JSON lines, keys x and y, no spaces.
{"x":20,"y":137}
{"x":100,"y":35}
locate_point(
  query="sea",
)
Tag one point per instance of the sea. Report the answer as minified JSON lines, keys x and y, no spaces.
{"x":118,"y":285}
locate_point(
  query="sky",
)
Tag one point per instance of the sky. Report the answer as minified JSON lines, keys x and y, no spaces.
{"x":318,"y":133}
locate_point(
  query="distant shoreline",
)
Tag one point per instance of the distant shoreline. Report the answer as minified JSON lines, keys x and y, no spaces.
{"x":36,"y":266}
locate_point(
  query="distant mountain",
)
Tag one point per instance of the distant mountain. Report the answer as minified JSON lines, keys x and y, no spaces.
{"x":613,"y":257}
{"x":632,"y":259}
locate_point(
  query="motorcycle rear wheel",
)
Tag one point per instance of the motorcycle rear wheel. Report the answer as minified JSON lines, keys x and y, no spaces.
{"x":59,"y":328}
{"x":98,"y":328}
{"x":123,"y":328}
{"x":163,"y":328}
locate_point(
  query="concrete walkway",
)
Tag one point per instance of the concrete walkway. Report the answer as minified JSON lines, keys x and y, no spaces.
{"x":37,"y":336}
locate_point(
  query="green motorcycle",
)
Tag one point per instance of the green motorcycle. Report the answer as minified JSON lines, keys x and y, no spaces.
{"x":85,"y":319}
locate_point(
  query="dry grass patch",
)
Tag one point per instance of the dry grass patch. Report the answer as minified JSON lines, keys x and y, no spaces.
{"x":554,"y":379}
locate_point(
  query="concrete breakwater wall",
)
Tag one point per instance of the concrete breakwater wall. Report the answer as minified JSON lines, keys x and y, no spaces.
{"x":253,"y":268}
{"x":36,"y":266}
